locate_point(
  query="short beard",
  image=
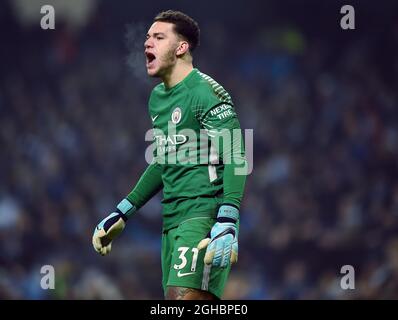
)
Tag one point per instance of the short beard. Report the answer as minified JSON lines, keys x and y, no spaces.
{"x":168,"y":60}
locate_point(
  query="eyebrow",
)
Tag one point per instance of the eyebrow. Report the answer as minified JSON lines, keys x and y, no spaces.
{"x":156,"y":34}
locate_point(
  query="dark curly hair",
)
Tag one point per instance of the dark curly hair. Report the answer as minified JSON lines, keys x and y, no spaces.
{"x":184,"y":25}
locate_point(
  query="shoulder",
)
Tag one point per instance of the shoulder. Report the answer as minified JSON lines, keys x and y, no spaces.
{"x":158,"y":89}
{"x":156,"y":94}
{"x":204,"y":89}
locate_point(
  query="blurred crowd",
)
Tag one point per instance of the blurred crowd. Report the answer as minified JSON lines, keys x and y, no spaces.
{"x":323,"y":193}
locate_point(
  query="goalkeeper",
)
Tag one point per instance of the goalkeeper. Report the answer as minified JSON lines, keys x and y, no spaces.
{"x":201,"y":199}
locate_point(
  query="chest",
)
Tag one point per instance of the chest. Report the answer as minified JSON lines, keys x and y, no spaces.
{"x":173,"y":114}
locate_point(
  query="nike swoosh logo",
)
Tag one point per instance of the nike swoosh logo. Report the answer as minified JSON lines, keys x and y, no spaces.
{"x":154,"y":118}
{"x":179,"y":274}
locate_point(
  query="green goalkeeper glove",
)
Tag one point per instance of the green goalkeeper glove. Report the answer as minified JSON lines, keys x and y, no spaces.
{"x":111,"y":227}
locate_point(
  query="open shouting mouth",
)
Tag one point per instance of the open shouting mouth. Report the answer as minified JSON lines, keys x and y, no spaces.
{"x":150,"y":58}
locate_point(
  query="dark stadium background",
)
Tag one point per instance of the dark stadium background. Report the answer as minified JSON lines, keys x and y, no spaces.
{"x":323,"y":106}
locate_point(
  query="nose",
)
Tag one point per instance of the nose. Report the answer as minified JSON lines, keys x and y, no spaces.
{"x":148,"y":43}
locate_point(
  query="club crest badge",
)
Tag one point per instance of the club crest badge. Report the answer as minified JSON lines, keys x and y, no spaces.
{"x":176,"y":115}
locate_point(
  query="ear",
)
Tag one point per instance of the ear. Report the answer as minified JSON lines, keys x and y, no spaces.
{"x":182,"y":48}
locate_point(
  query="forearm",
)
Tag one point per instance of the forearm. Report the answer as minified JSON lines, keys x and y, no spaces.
{"x":110,"y":227}
{"x":233,"y":185}
{"x":147,"y":186}
{"x":235,"y":169}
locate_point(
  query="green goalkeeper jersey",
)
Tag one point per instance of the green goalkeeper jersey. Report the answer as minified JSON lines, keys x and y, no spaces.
{"x":196,"y":168}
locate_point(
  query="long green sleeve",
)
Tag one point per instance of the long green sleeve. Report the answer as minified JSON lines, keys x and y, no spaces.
{"x":147,"y":186}
{"x":234,"y":172}
{"x":226,"y":137}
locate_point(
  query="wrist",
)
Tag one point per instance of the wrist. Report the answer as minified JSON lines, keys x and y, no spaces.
{"x":228,"y":213}
{"x":126,"y":209}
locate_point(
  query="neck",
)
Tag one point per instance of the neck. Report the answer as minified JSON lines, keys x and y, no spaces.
{"x":177,"y":74}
